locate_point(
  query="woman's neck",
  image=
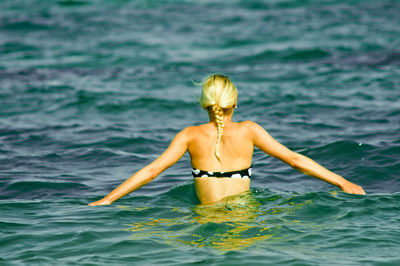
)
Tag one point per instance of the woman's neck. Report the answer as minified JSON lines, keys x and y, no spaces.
{"x":227,"y":116}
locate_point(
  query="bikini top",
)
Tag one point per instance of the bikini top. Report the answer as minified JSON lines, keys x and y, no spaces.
{"x":245,"y":173}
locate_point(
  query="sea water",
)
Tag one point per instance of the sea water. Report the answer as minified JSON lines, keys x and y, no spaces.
{"x":91,"y":91}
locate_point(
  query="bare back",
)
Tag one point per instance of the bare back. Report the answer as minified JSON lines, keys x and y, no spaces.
{"x":236,"y":149}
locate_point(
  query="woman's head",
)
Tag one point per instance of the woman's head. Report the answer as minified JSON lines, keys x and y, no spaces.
{"x":218,"y":90}
{"x":219,"y":96}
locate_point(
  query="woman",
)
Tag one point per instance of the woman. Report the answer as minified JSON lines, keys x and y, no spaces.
{"x":221,"y":152}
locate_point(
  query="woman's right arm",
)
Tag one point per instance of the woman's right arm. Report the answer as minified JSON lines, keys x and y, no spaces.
{"x":269,"y":145}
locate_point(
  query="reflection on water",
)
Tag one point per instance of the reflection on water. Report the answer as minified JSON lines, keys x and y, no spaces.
{"x":234,"y":223}
{"x":231,"y":222}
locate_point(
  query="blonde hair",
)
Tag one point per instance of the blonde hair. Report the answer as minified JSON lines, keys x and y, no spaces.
{"x":218,"y":95}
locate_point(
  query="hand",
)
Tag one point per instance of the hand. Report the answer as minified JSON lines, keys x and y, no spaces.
{"x":100,"y":202}
{"x":352,"y":188}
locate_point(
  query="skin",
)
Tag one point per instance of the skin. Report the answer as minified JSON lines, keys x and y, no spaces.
{"x":236,"y":148}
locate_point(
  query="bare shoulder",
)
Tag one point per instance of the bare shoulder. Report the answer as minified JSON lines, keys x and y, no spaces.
{"x":186,"y":132}
{"x":192,"y":131}
{"x":255,"y":131}
{"x":196,"y":127}
{"x":249,"y":125}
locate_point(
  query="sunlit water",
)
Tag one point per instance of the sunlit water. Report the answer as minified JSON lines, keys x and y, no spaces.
{"x":91,"y":91}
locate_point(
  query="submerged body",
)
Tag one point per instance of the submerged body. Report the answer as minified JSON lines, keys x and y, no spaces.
{"x":214,"y":189}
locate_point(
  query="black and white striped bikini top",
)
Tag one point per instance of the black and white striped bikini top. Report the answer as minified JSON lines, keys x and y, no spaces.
{"x":245,"y":173}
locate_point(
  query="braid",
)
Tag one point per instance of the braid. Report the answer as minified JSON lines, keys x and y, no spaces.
{"x":219,"y":119}
{"x":218,"y":95}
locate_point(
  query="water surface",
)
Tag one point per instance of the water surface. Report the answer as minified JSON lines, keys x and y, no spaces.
{"x":91,"y":91}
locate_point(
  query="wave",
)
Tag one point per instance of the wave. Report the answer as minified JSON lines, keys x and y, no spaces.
{"x":288,"y":55}
{"x":24,"y":25}
{"x":144,"y":102}
{"x":41,"y":190}
{"x":72,"y":3}
{"x":371,"y":59}
{"x":17,"y":47}
{"x":343,"y":148}
{"x":179,"y":195}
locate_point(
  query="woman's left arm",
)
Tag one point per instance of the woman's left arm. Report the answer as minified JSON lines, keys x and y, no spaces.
{"x":300,"y":162}
{"x":172,"y":154}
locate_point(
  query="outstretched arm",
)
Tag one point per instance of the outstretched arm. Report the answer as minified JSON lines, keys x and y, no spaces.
{"x":269,"y":145}
{"x":175,"y":151}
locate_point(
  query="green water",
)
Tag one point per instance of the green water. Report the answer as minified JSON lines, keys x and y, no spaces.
{"x":91,"y":91}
